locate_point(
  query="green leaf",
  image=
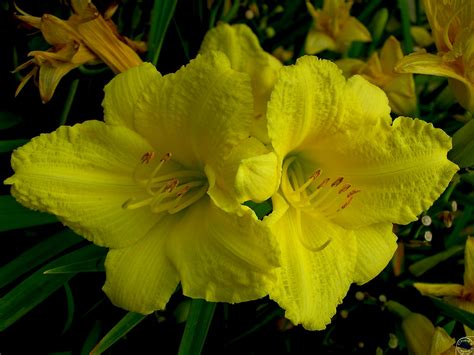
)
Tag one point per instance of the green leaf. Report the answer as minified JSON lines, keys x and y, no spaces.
{"x":37,"y":255}
{"x":161,"y":15}
{"x":463,"y":146}
{"x":8,"y":119}
{"x":425,"y":264}
{"x":405,"y":19}
{"x":15,"y":216}
{"x":9,"y":145}
{"x":70,"y":308}
{"x":92,"y":265}
{"x":466,"y":318}
{"x":260,"y":209}
{"x":469,"y":177}
{"x":197,"y":326}
{"x":125,"y":325}
{"x":37,"y":287}
{"x":92,"y":338}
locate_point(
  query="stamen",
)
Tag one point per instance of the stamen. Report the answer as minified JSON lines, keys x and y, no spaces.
{"x":324,"y":183}
{"x":148,"y":157}
{"x":349,"y":200}
{"x":344,"y":188}
{"x":353,"y":192}
{"x":337,"y":182}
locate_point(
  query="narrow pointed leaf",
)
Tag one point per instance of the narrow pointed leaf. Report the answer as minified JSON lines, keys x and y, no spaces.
{"x":460,"y":315}
{"x":125,"y":325}
{"x":161,"y":15}
{"x":8,"y":119}
{"x":37,"y":287}
{"x":92,"y":265}
{"x":38,"y":255}
{"x":9,"y":145}
{"x":197,"y":326}
{"x":463,"y":146}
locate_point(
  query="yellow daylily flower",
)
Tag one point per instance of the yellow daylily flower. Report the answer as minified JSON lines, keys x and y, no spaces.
{"x":85,"y":38}
{"x":461,"y":296}
{"x":148,"y":184}
{"x":379,"y":70}
{"x":422,"y":337}
{"x":334,"y":28}
{"x":452,"y":26}
{"x":347,"y":173}
{"x":246,"y":55}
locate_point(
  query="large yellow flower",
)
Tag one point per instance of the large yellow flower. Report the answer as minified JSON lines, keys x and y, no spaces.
{"x":347,"y":173}
{"x":246,"y":55}
{"x":150,"y":183}
{"x":452,"y":25}
{"x":334,"y":28}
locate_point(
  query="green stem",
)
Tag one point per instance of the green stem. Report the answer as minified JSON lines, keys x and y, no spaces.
{"x":405,"y":18}
{"x":69,"y":101}
{"x":197,"y":326}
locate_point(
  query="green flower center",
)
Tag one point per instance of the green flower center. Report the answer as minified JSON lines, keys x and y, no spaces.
{"x":169,"y":192}
{"x":316,"y":193}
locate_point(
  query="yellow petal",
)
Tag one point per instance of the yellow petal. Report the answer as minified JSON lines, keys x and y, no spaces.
{"x":425,"y":63}
{"x":353,"y":30}
{"x":243,"y":49}
{"x":221,"y":257}
{"x":57,"y":31}
{"x":83,"y":174}
{"x":441,"y":342}
{"x":312,"y":280}
{"x":439,"y":289}
{"x":350,"y":66}
{"x":311,"y":100}
{"x":49,"y":77}
{"x":199,"y":113}
{"x":418,"y":331}
{"x":140,"y":278}
{"x":469,"y":263}
{"x":123,"y":92}
{"x":375,"y":247}
{"x":400,"y":169}
{"x":317,"y":41}
{"x":390,"y":54}
{"x":421,"y":36}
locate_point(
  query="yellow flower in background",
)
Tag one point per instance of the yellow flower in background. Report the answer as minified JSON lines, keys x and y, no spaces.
{"x":86,"y":37}
{"x":452,"y":26}
{"x":379,"y":70}
{"x":334,"y":28}
{"x":422,"y":337}
{"x":347,"y":173}
{"x":461,"y":296}
{"x":246,"y":55}
{"x":147,"y":184}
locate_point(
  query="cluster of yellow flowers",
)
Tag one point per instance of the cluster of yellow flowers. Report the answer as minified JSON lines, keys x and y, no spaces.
{"x":162,"y":181}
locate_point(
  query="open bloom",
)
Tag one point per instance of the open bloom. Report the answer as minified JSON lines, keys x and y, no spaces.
{"x":452,"y":26}
{"x":86,"y":37}
{"x":379,"y":70}
{"x":334,"y":28}
{"x":246,"y":55}
{"x":149,"y":184}
{"x":347,"y":173}
{"x":461,"y":296}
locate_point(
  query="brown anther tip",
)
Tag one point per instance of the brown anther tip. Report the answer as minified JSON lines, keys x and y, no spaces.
{"x":344,"y":188}
{"x":316,"y":174}
{"x":337,"y":181}
{"x":171,"y":185}
{"x":126,"y":203}
{"x":183,"y":191}
{"x":166,"y":157}
{"x":352,"y":193}
{"x":325,"y":181}
{"x":346,"y":203}
{"x":147,"y":157}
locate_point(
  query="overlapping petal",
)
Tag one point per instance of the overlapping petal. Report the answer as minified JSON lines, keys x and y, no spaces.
{"x":130,"y":85}
{"x":312,"y":100}
{"x":314,"y":275}
{"x":83,"y":174}
{"x":141,"y":278}
{"x":375,"y":247}
{"x":203,"y":111}
{"x":243,"y":49}
{"x":229,"y":258}
{"x":400,"y":169}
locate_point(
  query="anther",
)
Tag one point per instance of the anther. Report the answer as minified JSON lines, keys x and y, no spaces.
{"x":325,"y":181}
{"x":148,"y":157}
{"x":166,"y":157}
{"x":344,"y":188}
{"x":349,"y":200}
{"x":183,"y":191}
{"x":352,"y":193}
{"x":337,"y":182}
{"x":171,"y":185}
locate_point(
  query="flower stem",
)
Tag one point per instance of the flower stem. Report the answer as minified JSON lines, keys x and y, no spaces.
{"x":69,"y":101}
